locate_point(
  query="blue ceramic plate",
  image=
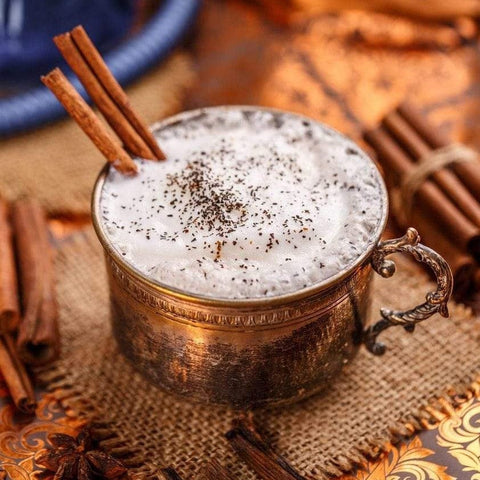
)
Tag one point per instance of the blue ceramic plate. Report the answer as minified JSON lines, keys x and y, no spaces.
{"x":129,"y":60}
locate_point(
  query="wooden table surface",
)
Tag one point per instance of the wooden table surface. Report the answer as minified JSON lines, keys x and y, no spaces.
{"x":347,"y":70}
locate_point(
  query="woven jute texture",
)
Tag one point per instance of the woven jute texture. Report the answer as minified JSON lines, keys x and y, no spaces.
{"x":58,"y":164}
{"x":369,"y":405}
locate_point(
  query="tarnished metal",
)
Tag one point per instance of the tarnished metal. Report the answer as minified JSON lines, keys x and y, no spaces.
{"x":249,"y":352}
{"x":174,"y":343}
{"x":435,"y":301}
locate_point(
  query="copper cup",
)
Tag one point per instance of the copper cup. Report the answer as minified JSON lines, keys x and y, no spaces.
{"x":250,"y":352}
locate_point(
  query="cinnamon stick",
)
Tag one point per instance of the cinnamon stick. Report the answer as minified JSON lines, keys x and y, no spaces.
{"x":77,"y":108}
{"x":97,"y":65}
{"x":16,"y":376}
{"x":215,"y":471}
{"x":38,"y":338}
{"x":257,"y":454}
{"x":170,"y":473}
{"x":114,"y":116}
{"x":9,"y":305}
{"x":444,"y":178}
{"x":429,"y":196}
{"x":477,"y":279}
{"x":469,"y":173}
{"x":462,"y":265}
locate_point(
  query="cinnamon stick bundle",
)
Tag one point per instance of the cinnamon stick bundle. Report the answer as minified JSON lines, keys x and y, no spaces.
{"x":90,"y":68}
{"x":429,"y":196}
{"x":442,"y":182}
{"x":257,"y":454}
{"x":97,"y":64}
{"x":468,"y":173}
{"x":16,"y":376}
{"x":446,"y":179}
{"x":9,"y":304}
{"x":134,"y":140}
{"x":38,"y":337}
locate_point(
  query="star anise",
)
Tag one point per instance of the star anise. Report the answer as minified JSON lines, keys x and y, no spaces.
{"x":71,"y":458}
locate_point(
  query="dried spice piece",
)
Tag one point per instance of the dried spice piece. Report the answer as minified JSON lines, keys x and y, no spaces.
{"x":9,"y":304}
{"x":115,"y":91}
{"x":71,"y":458}
{"x":215,"y":471}
{"x":257,"y":454}
{"x":169,"y":473}
{"x":38,"y":339}
{"x":16,"y":376}
{"x":132,"y":140}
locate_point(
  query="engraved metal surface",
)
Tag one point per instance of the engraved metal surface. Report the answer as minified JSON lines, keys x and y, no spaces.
{"x":250,"y":352}
{"x":239,"y":363}
{"x":159,"y":293}
{"x":251,"y":315}
{"x":436,"y":302}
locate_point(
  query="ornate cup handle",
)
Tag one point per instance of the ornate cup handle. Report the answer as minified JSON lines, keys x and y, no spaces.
{"x":435,"y":301}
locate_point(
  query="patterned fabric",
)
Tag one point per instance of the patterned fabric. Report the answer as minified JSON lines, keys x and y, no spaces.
{"x":446,"y":450}
{"x":21,"y":436}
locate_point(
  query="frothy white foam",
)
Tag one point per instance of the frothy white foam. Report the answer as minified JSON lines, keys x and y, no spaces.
{"x":248,"y":204}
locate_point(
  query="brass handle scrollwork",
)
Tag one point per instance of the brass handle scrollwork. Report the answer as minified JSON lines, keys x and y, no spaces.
{"x":435,"y":301}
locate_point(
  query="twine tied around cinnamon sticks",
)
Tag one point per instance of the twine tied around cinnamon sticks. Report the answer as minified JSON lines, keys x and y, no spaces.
{"x":435,"y":160}
{"x":434,"y":185}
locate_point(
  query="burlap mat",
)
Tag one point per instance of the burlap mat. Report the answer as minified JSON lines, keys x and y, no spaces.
{"x":367,"y":406}
{"x":58,"y":164}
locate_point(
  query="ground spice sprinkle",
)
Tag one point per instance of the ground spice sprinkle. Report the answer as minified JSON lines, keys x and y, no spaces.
{"x":247,"y":204}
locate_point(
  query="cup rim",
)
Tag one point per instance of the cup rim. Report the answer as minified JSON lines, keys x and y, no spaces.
{"x":223,"y":301}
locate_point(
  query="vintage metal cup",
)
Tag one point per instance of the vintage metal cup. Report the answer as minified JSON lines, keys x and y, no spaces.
{"x":252,"y":352}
